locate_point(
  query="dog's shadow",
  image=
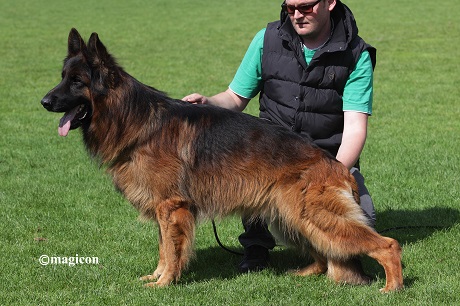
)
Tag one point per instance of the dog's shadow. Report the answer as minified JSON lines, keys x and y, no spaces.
{"x":217,"y":263}
{"x":406,"y":226}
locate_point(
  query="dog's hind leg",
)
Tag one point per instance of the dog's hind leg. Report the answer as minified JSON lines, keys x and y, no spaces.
{"x":347,"y":271}
{"x":364,"y":240}
{"x":319,"y":266}
{"x":177,"y":227}
{"x":389,"y":256}
{"x":335,"y":226}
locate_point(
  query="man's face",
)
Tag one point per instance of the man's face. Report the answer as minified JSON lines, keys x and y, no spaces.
{"x":309,"y":21}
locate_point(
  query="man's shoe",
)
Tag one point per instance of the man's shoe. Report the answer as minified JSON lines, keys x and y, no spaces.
{"x":255,"y":259}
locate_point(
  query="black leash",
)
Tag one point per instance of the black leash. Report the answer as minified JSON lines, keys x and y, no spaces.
{"x":396,"y":228}
{"x":409,"y":227}
{"x":220,"y":243}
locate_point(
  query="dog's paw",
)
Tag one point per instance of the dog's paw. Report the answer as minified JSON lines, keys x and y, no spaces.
{"x":150,"y":277}
{"x":391,"y":288}
{"x":312,"y":269}
{"x":157,"y":284}
{"x":156,"y":280}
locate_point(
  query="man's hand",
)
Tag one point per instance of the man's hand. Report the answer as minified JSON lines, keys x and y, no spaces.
{"x":196,"y":98}
{"x":227,"y":99}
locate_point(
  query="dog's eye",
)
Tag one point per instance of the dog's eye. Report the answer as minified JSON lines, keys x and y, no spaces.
{"x":76,"y":81}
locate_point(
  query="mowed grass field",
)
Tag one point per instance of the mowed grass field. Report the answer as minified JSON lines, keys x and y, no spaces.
{"x":55,"y":201}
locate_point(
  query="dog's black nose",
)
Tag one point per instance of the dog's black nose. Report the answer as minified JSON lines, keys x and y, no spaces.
{"x":46,"y":102}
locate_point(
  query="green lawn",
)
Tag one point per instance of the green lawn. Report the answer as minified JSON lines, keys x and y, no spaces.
{"x":54,"y":201}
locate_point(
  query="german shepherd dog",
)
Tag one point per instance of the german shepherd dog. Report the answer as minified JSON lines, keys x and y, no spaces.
{"x":178,"y":162}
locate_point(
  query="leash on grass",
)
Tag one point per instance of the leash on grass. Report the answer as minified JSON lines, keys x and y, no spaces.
{"x":390,"y":229}
{"x":396,"y":228}
{"x":220,"y":243}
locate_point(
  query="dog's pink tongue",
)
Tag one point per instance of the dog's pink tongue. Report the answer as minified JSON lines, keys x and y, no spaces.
{"x":66,"y":120}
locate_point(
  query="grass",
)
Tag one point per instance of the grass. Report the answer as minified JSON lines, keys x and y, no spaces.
{"x":54,"y":201}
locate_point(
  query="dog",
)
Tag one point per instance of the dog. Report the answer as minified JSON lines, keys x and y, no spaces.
{"x":178,"y":163}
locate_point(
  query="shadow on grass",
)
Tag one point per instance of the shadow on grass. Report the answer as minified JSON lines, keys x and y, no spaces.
{"x":216,"y":263}
{"x":213,"y":263}
{"x":409,"y":226}
{"x":405,"y":226}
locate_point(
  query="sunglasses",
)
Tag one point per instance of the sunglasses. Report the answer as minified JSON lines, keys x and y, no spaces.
{"x":303,"y":8}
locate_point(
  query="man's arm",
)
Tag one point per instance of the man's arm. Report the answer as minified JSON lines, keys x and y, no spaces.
{"x":353,"y":139}
{"x":227,"y":99}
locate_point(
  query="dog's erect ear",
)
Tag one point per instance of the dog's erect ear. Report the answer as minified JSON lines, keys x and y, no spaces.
{"x":103,"y":64}
{"x":76,"y":43}
{"x":97,"y":50}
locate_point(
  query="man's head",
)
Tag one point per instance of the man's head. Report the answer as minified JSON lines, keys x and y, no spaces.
{"x":310,"y":18}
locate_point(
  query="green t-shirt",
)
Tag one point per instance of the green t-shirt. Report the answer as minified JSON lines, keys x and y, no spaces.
{"x":357,"y":95}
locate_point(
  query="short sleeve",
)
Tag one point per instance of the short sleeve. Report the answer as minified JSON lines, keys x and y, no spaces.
{"x":247,"y":81}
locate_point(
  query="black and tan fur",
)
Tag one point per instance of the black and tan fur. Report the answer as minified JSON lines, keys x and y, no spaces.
{"x":177,"y":162}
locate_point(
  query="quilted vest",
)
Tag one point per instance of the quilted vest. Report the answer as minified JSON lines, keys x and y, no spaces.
{"x":308,"y":98}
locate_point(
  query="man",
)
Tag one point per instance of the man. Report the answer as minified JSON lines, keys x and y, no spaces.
{"x":315,"y":77}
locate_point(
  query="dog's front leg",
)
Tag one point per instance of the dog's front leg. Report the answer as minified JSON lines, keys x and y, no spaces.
{"x":177,"y":227}
{"x":161,"y":262}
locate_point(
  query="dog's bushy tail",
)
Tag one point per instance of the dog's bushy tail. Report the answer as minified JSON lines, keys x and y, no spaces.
{"x":331,"y":219}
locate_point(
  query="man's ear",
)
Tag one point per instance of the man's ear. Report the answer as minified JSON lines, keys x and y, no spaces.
{"x":332,"y":4}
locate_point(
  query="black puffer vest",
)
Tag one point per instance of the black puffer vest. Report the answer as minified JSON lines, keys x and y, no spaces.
{"x":308,"y":98}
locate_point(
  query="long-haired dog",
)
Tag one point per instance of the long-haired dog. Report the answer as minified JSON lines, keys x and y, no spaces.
{"x":177,"y":162}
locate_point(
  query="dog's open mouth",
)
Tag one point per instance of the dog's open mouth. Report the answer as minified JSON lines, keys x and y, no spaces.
{"x":73,"y":119}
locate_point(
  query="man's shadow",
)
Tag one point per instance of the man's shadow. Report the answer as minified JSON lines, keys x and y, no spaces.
{"x":406,"y":226}
{"x":409,"y":226}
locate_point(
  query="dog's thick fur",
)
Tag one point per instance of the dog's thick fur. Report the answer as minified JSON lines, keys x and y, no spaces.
{"x":177,"y":162}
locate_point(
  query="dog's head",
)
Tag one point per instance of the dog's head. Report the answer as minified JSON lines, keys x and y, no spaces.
{"x":89,"y":72}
